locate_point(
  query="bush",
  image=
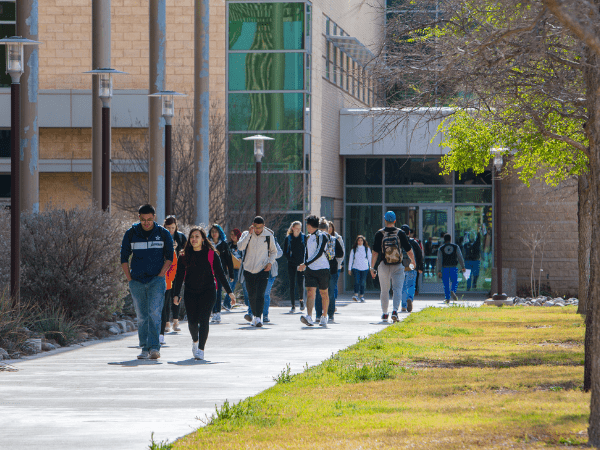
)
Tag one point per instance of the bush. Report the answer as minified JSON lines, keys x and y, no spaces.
{"x":54,"y":324}
{"x":70,"y":261}
{"x":13,"y":321}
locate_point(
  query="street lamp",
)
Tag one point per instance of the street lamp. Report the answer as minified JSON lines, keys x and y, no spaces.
{"x":498,"y":162}
{"x":259,"y":152}
{"x":105,"y":91}
{"x":15,"y":68}
{"x":168,"y":111}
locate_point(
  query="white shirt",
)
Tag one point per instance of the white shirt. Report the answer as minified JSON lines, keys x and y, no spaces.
{"x":312,"y":249}
{"x":358,"y":260}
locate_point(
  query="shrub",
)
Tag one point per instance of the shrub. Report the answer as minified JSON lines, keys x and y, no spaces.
{"x":53,"y":323}
{"x":13,"y":321}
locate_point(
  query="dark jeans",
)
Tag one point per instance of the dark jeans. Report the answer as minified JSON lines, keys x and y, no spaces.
{"x":198,"y":307}
{"x":217,"y":307}
{"x":296,"y":283}
{"x":360,"y":281}
{"x":256,"y":283}
{"x":166,"y":310}
{"x":333,"y":280}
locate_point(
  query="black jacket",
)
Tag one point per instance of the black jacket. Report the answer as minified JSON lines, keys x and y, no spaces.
{"x":194,"y":268}
{"x":294,"y":248}
{"x":226,"y":261}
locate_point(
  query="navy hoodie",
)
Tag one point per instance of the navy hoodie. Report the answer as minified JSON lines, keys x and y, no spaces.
{"x":149,"y":254}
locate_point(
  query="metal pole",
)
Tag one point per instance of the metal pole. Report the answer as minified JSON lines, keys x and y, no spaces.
{"x":497,"y":225}
{"x":168,"y":204}
{"x":15,"y":200}
{"x":100,"y":59}
{"x":201,"y":110}
{"x":106,"y":159}
{"x":27,"y":26}
{"x":258,"y":176}
{"x":157,"y":70}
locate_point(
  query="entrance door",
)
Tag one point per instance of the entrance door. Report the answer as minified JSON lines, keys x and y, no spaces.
{"x":435,"y":222}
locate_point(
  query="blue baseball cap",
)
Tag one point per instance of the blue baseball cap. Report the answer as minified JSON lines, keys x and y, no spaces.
{"x":390,"y":216}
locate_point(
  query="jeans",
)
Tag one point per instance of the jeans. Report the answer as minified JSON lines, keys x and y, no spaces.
{"x":268,"y":296}
{"x":333,"y":280}
{"x":296,"y":280}
{"x":360,"y":281}
{"x":473,"y":266}
{"x":257,"y":285}
{"x":390,"y":275}
{"x":408,"y":287}
{"x":449,"y":274}
{"x":217,"y":306}
{"x":236,"y":274}
{"x":148,"y":299}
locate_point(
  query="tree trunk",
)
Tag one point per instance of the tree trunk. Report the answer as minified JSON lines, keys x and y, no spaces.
{"x":585,"y":240}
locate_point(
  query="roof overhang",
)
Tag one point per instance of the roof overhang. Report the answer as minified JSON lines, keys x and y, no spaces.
{"x":353,"y":48}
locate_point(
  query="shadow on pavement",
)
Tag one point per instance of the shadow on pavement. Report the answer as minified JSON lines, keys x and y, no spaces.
{"x":194,"y":362}
{"x":136,"y":362}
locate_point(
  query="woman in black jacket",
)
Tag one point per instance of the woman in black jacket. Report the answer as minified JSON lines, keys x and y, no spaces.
{"x":293,"y":249}
{"x":199,"y":266}
{"x":217,"y":237}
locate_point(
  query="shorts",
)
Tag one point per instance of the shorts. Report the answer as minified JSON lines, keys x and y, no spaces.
{"x":317,"y":278}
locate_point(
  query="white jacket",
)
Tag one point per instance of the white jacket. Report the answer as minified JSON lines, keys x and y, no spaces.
{"x":358,"y":260}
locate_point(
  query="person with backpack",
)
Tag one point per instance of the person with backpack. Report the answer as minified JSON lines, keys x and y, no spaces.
{"x":448,"y":257}
{"x":169,"y":277}
{"x":200,"y":268}
{"x":218,"y":239}
{"x":359,"y":264}
{"x":170,"y":224}
{"x":260,"y":251}
{"x":411,"y":274}
{"x":272,"y":276}
{"x":293,"y":249}
{"x":150,"y":247}
{"x":340,"y":259}
{"x":388,"y":261}
{"x":333,"y":250}
{"x":236,"y":256}
{"x":317,"y":273}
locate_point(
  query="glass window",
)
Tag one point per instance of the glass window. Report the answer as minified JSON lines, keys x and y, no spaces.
{"x":365,"y":221}
{"x":284,"y":153}
{"x":473,"y":233}
{"x":364,"y":195}
{"x":5,"y":30}
{"x":473,"y":195}
{"x":266,"y":26}
{"x":279,"y":192}
{"x":414,"y":171}
{"x":266,"y":71}
{"x":470,"y":178}
{"x":418,"y":195}
{"x":4,"y":186}
{"x":8,"y":11}
{"x":364,"y":171}
{"x":4,"y":143}
{"x":266,"y":112}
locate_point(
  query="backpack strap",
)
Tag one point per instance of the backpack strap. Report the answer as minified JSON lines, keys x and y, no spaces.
{"x":211,"y":260}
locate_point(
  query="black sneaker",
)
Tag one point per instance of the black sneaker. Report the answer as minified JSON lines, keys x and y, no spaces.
{"x":394,"y":316}
{"x":454,"y":296}
{"x":409,"y":305}
{"x":301,"y":305}
{"x":385,"y":317}
{"x":248,"y":317}
{"x":447,"y":300}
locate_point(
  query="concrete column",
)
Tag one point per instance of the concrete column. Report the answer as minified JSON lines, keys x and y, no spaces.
{"x":156,"y":158}
{"x":100,"y":59}
{"x":27,"y":27}
{"x":201,"y":110}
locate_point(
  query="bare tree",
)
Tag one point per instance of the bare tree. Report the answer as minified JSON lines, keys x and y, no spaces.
{"x":534,"y":238}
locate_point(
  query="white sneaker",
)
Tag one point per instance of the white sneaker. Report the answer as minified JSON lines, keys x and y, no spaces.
{"x":258,"y":322}
{"x":200,"y":354}
{"x":355,"y":297}
{"x":293,"y":310}
{"x":307,"y":320}
{"x":195,"y":349}
{"x":167,"y":327}
{"x":161,"y":338}
{"x":323,"y":321}
{"x":253,"y":322}
{"x":144,"y":355}
{"x":362,"y":299}
{"x":217,"y":318}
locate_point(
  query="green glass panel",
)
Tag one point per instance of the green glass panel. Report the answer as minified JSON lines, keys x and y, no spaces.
{"x":266,"y":71}
{"x":279,"y":192}
{"x":411,"y":171}
{"x":5,"y":30}
{"x":8,"y":12}
{"x":266,"y":26}
{"x":473,"y":195}
{"x":284,"y":153}
{"x":365,"y":221}
{"x":258,"y":112}
{"x":363,"y":195}
{"x":469,"y":178}
{"x":418,"y":195}
{"x":364,"y":171}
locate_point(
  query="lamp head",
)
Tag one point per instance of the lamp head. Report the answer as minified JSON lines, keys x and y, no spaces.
{"x":167,"y":103}
{"x":105,"y":85}
{"x":498,"y":157}
{"x":14,"y":55}
{"x":259,"y":145}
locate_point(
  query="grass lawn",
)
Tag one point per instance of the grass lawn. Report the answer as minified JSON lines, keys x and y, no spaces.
{"x":444,"y":378}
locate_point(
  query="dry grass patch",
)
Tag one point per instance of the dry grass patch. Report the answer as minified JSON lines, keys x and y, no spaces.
{"x":444,"y":378}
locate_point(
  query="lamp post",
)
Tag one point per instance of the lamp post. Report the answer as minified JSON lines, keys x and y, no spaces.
{"x":498,"y":162}
{"x":168,"y":111}
{"x":259,"y":152}
{"x":105,"y":91}
{"x":15,"y":68}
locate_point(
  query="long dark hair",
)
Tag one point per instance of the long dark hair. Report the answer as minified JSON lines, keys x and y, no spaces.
{"x":189,"y":251}
{"x":365,"y":243}
{"x":170,"y":220}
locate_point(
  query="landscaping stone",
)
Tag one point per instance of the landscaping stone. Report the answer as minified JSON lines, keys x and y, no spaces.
{"x":3,"y":354}
{"x":114,"y":330}
{"x":47,"y":346}
{"x":123,"y":325}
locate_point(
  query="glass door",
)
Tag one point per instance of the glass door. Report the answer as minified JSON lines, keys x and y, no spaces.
{"x":435,"y":222}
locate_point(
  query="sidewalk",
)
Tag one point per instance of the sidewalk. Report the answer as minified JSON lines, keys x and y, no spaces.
{"x":101,"y":397}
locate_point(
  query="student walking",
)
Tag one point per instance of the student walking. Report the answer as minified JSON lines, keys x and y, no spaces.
{"x":179,"y":238}
{"x":272,"y":276}
{"x":411,"y":273}
{"x":236,"y":256}
{"x":260,"y":251}
{"x":359,"y":264}
{"x":317,"y":274}
{"x":448,"y":257}
{"x":334,"y":251}
{"x":293,"y":249}
{"x":169,"y":277}
{"x":387,"y":258}
{"x":217,"y":237}
{"x":200,"y":268}
{"x":150,"y":247}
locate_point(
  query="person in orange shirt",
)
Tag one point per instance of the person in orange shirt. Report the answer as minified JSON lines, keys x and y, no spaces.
{"x":169,"y":277}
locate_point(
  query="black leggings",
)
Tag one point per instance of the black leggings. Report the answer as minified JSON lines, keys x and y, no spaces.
{"x":198,"y":307}
{"x":296,"y":280}
{"x":165,"y":311}
{"x":256,"y":284}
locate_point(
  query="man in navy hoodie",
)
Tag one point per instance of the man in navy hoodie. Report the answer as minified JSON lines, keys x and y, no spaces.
{"x":150,"y":247}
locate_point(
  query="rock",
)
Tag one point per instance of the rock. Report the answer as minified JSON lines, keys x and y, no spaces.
{"x":537,"y":304}
{"x":47,"y":346}
{"x":107,"y":325}
{"x":3,"y":354}
{"x":559,"y":302}
{"x":122,"y":325}
{"x":114,"y":330}
{"x":130,"y":326}
{"x":549,"y":303}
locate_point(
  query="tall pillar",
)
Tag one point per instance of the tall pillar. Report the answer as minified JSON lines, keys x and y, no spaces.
{"x":156,"y":158}
{"x":27,"y":27}
{"x":100,"y":60}
{"x":201,"y":110}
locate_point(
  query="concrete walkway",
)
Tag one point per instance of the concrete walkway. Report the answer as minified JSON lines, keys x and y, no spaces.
{"x":101,"y":397}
